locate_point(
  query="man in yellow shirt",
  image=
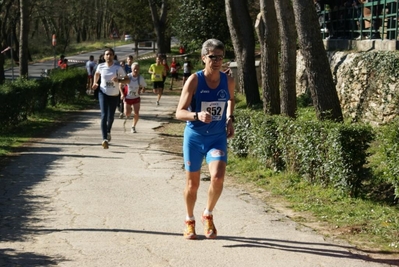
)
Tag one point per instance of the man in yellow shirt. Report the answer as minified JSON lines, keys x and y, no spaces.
{"x":157,"y":71}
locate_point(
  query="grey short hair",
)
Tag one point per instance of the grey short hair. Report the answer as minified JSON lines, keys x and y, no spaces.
{"x":210,"y":45}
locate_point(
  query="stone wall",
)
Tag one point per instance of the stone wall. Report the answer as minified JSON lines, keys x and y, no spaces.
{"x":367,"y":84}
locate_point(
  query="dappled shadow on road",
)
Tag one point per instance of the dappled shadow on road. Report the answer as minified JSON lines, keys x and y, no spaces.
{"x":29,"y":166}
{"x":321,"y":249}
{"x":9,"y":257}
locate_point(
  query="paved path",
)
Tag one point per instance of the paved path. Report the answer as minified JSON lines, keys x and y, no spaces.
{"x":65,"y":201}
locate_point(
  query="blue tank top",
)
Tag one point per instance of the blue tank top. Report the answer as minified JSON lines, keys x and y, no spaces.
{"x":212,"y":100}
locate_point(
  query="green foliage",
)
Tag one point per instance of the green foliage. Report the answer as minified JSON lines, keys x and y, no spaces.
{"x":200,"y":20}
{"x":389,"y":137}
{"x":19,"y":99}
{"x":325,"y":153}
{"x":240,"y":144}
{"x":304,"y":100}
{"x":67,"y":85}
{"x":22,"y":98}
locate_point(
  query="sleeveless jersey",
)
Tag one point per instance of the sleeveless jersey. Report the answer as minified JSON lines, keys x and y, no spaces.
{"x":212,"y":100}
{"x":134,"y":86}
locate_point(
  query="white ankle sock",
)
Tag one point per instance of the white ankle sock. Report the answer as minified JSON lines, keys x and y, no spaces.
{"x":207,"y":212}
{"x":188,"y":218}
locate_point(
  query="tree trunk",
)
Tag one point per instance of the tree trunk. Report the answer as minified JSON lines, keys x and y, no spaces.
{"x":2,"y":76}
{"x":23,"y":37}
{"x":286,"y":20}
{"x":243,"y":39}
{"x":160,"y":24}
{"x":322,"y":88}
{"x":267,"y":29}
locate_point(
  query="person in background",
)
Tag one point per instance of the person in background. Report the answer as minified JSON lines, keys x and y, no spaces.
{"x":116,"y":62}
{"x":131,"y":95}
{"x":127,"y":67}
{"x":187,"y":68}
{"x":207,"y":105}
{"x":157,"y":71}
{"x":182,"y":50}
{"x":60,"y":60}
{"x":90,"y":68}
{"x":111,"y":76}
{"x":166,"y":66}
{"x":64,"y":64}
{"x":122,"y":64}
{"x":100,"y":60}
{"x":174,"y":71}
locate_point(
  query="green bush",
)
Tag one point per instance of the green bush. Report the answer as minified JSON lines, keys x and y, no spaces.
{"x":325,"y":153}
{"x":263,"y":141}
{"x":23,"y":97}
{"x":389,"y":136}
{"x":347,"y":156}
{"x":67,"y":85}
{"x":240,"y":144}
{"x":18,"y":99}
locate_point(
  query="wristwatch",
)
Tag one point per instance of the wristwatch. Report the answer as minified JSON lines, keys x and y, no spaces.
{"x":231,"y":117}
{"x":196,"y":116}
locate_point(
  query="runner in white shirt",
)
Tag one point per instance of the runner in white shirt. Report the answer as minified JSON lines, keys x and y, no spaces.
{"x":131,"y":96}
{"x":108,"y":96}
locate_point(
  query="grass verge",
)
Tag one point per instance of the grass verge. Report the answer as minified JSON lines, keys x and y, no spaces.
{"x":38,"y":125}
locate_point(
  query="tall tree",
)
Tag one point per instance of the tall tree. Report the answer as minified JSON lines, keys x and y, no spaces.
{"x":288,"y":36}
{"x":267,"y":29}
{"x":243,"y":39}
{"x":206,"y":19}
{"x":322,"y":88}
{"x":23,"y":38}
{"x":159,"y":10}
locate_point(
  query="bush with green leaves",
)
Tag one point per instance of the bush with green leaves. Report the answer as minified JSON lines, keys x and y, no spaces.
{"x":67,"y":85}
{"x":23,"y":97}
{"x":389,"y":137}
{"x":322,"y":152}
{"x":18,"y":99}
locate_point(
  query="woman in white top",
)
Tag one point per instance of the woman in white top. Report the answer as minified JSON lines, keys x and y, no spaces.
{"x":108,"y":96}
{"x":131,"y":95}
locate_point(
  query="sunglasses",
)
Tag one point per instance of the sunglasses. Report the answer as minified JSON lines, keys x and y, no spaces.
{"x":215,"y":58}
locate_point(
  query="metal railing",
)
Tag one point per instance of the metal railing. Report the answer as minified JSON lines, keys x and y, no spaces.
{"x":376,"y":19}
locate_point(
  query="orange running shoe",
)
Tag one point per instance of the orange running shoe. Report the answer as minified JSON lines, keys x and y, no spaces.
{"x":189,"y":232}
{"x":209,"y":227}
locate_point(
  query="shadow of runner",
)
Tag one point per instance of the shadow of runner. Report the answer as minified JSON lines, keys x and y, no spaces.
{"x":306,"y":247}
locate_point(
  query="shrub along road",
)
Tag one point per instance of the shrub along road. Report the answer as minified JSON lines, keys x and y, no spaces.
{"x":66,"y":201}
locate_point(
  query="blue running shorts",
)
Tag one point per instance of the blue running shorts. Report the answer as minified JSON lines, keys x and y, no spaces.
{"x":196,"y":146}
